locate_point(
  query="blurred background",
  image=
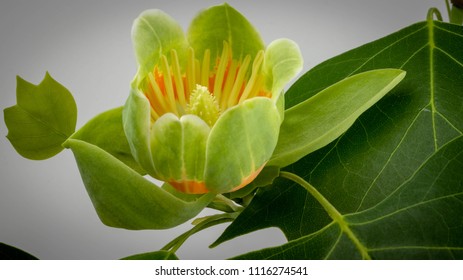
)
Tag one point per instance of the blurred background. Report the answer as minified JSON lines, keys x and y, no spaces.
{"x":86,"y":46}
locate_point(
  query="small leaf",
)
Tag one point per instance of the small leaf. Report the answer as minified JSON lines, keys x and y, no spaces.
{"x":8,"y":252}
{"x":106,"y":132}
{"x":44,"y":117}
{"x":319,"y":120}
{"x":158,"y":255}
{"x":123,"y":198}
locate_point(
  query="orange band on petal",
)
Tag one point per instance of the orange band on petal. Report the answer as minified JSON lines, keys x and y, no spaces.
{"x":191,"y":187}
{"x":249,"y":179}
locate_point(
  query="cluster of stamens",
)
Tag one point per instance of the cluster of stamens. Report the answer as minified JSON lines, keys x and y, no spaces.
{"x":229,"y":83}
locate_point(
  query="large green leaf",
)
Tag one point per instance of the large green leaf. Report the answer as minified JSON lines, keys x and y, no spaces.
{"x":393,"y":180}
{"x":44,"y":117}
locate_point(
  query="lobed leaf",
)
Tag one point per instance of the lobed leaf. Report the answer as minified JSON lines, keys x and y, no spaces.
{"x":394,"y":177}
{"x":44,"y":117}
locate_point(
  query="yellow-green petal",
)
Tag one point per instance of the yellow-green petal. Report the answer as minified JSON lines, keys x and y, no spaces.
{"x":137,"y":124}
{"x":212,"y":26}
{"x":282,"y":62}
{"x":240,"y":143}
{"x":178,"y":147}
{"x":155,"y":33}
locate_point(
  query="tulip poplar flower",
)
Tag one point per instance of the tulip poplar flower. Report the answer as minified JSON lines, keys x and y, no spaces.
{"x":205,"y":108}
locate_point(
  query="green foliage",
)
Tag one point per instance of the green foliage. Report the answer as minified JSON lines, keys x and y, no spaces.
{"x":357,"y":173}
{"x":158,"y":255}
{"x":393,"y":180}
{"x":106,"y":131}
{"x":43,"y":118}
{"x":8,"y":252}
{"x":319,"y":120}
{"x":123,"y":198}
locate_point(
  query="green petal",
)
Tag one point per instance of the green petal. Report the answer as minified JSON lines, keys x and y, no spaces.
{"x":282,"y":62}
{"x":123,"y":198}
{"x":178,"y":147}
{"x":211,"y":27}
{"x":241,"y":142}
{"x":136,"y":122}
{"x":154,"y":33}
{"x":322,"y":118}
{"x":106,"y":132}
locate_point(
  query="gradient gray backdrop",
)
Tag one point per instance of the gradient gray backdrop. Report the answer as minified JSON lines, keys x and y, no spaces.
{"x":86,"y":46}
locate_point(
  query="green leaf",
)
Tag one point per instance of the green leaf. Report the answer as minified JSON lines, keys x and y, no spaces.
{"x":158,"y":255}
{"x":106,"y":132}
{"x":8,"y":252}
{"x":211,"y":27}
{"x":319,"y":120}
{"x":123,"y":198}
{"x":44,"y":117}
{"x":420,"y":219}
{"x":394,"y":177}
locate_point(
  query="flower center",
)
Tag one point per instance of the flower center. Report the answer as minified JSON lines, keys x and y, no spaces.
{"x":201,"y":91}
{"x":203,"y":104}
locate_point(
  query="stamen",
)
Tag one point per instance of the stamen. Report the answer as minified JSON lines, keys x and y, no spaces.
{"x":205,"y":68}
{"x":168,"y":84}
{"x":178,"y":78}
{"x":233,"y":97}
{"x":221,"y":71}
{"x":255,"y":71}
{"x":158,"y":96}
{"x":154,"y":115}
{"x":197,"y":71}
{"x":230,"y":81}
{"x":255,"y":91}
{"x":190,"y":71}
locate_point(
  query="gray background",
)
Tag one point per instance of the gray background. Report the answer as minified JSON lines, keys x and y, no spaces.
{"x":86,"y":46}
